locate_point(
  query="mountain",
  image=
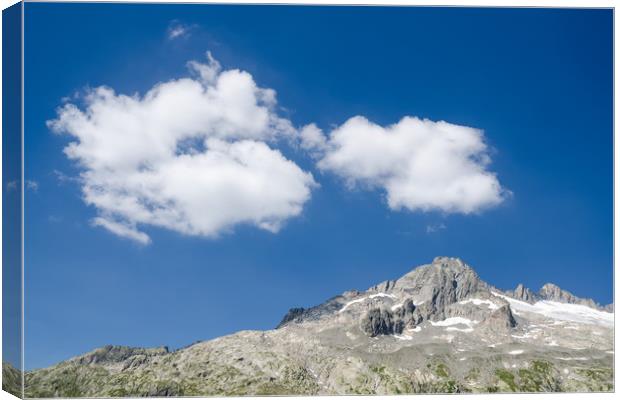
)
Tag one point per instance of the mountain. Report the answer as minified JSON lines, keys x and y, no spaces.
{"x":438,"y":328}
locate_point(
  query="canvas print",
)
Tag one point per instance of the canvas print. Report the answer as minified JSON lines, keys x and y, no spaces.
{"x":237,"y":200}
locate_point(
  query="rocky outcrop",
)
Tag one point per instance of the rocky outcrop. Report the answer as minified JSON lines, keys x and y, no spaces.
{"x":524,"y":294}
{"x":380,"y":322}
{"x":552,"y":292}
{"x":500,"y":320}
{"x":293,"y":315}
{"x":114,"y":354}
{"x":12,"y":380}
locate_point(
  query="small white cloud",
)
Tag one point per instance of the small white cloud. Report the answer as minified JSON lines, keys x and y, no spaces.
{"x":191,"y":155}
{"x":178,"y":30}
{"x":421,"y":165}
{"x":32,"y":185}
{"x":28,"y":185}
{"x":122,"y":229}
{"x":208,"y":72}
{"x":10,"y":186}
{"x":64,"y":178}
{"x":54,"y":219}
{"x":433,"y":228}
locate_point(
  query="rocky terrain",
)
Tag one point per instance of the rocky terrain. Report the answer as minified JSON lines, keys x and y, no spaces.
{"x":439,"y":328}
{"x":11,"y":379}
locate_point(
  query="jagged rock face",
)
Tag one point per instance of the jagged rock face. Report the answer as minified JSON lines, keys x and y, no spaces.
{"x":500,"y":320}
{"x":294,"y":314}
{"x":552,"y":292}
{"x":523,"y":293}
{"x":437,"y":329}
{"x":379,"y":321}
{"x":445,"y":281}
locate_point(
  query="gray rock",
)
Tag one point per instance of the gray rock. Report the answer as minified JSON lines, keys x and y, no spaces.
{"x":380,"y":322}
{"x":524,"y":294}
{"x":552,"y":292}
{"x":294,"y":314}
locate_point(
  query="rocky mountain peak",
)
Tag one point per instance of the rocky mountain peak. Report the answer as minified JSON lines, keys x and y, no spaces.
{"x":552,"y":292}
{"x":450,"y":262}
{"x":523,"y":293}
{"x":550,"y":289}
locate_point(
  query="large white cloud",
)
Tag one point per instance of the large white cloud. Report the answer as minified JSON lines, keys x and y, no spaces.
{"x":191,"y":155}
{"x":420,"y":164}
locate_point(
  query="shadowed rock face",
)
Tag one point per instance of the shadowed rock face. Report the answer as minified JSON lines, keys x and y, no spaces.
{"x":380,"y":322}
{"x":437,"y":329}
{"x":294,"y":314}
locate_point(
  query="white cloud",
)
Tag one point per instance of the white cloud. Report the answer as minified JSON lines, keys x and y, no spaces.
{"x":11,"y":185}
{"x":122,"y":229}
{"x":420,"y":164}
{"x":64,"y":178}
{"x":433,"y":228}
{"x":177,"y":30}
{"x":190,"y":155}
{"x":32,"y":185}
{"x":28,"y":185}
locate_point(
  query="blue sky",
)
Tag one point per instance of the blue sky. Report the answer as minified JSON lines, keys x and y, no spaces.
{"x":537,"y":82}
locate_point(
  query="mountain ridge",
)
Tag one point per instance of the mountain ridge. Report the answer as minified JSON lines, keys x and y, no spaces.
{"x":548,"y":291}
{"x":439,"y":328}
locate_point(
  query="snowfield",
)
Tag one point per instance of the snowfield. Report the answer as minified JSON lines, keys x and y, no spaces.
{"x":562,"y":311}
{"x":450,"y":322}
{"x":372,"y":296}
{"x":479,"y":302}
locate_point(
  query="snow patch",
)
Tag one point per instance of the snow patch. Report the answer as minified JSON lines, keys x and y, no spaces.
{"x":562,"y":311}
{"x":515,"y":352}
{"x":453,"y":321}
{"x":479,"y":302}
{"x":372,"y":296}
{"x":526,"y":335}
{"x":450,"y":322}
{"x":452,"y":328}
